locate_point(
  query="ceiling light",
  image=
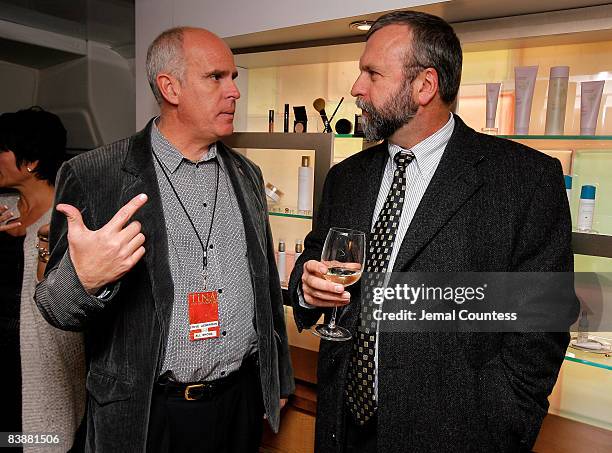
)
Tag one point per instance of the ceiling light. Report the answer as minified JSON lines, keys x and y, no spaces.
{"x":361,"y":25}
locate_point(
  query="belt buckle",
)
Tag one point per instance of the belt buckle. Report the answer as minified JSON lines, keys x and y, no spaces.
{"x":188,"y":388}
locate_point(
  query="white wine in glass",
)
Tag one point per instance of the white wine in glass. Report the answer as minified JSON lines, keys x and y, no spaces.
{"x":343,"y":275}
{"x":344,"y":256}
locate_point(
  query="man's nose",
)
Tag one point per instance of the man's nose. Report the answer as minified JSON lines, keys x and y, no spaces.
{"x":358,"y":88}
{"x":233,"y":91}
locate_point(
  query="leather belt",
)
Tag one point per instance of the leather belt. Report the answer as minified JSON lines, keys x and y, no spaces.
{"x":193,"y":391}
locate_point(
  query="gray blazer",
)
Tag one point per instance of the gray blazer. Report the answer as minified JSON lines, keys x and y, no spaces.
{"x":492,"y":206}
{"x":125,"y":337}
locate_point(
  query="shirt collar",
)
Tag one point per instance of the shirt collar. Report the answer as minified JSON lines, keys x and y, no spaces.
{"x":428,"y":152}
{"x":172,"y":157}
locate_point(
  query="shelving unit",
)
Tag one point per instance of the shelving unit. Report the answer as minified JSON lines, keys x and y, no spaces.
{"x":321,"y":144}
{"x":287,"y":144}
{"x":572,"y":150}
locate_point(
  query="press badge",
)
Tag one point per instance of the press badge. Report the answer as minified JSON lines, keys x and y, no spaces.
{"x":203,"y":315}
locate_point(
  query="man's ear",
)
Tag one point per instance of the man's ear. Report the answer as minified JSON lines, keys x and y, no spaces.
{"x":428,"y":86}
{"x":169,"y":87}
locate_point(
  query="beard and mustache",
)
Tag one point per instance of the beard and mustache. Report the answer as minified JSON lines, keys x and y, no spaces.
{"x":381,"y":123}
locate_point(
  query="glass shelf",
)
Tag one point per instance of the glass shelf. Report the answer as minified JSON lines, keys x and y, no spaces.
{"x":590,"y":359}
{"x":558,"y":137}
{"x":347,"y":136}
{"x":292,"y":213}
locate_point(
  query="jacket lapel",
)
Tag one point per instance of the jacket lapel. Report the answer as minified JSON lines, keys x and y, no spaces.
{"x":141,"y":178}
{"x":456,"y":179}
{"x":367,"y":192}
{"x":361,"y":212}
{"x":245,"y":184}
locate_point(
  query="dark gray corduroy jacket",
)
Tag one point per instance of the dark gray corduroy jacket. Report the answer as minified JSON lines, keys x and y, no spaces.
{"x":492,"y":206}
{"x":125,"y":337}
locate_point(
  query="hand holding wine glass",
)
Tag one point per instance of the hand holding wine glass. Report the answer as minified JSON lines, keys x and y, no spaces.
{"x":319,"y":292}
{"x":343,"y":257}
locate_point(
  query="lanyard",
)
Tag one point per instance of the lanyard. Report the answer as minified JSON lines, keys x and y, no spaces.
{"x":204,"y":246}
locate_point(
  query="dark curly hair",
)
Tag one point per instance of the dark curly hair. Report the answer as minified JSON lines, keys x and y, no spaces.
{"x":34,"y":134}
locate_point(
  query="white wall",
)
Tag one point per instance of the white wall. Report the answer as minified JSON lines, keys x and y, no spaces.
{"x":110,"y":92}
{"x":240,"y":17}
{"x":94,"y":96}
{"x":236,"y":17}
{"x":19,"y":85}
{"x":152,"y":17}
{"x":63,"y":91}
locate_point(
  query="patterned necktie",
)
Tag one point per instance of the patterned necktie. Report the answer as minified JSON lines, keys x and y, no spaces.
{"x":359,"y":393}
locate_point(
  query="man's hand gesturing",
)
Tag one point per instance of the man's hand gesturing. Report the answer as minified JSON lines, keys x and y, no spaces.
{"x":104,"y":256}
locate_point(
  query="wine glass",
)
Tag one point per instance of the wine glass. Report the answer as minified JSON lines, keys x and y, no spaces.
{"x":344,"y":256}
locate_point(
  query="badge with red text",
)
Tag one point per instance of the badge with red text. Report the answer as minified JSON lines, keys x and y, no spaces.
{"x":203,"y":315}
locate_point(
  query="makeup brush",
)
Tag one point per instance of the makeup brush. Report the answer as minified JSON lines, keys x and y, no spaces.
{"x":336,"y":109}
{"x":319,"y":106}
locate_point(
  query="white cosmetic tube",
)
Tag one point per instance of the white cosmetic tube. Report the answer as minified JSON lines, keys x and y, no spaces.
{"x":590,"y":100}
{"x":305,"y":183}
{"x":586,"y":208}
{"x":524,"y":83}
{"x":492,"y":97}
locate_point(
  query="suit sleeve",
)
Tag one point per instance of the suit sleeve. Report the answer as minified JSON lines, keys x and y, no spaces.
{"x":313,"y":246}
{"x":60,"y":297}
{"x":529,"y":363}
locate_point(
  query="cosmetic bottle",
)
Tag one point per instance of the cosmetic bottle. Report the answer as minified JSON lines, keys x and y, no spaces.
{"x":586,"y":208}
{"x":270,"y":120}
{"x":286,"y":119}
{"x":305,"y":183}
{"x":281,"y":263}
{"x":273,"y":194}
{"x":524,"y":82}
{"x":299,"y":248}
{"x":557,"y":99}
{"x":492,"y":97}
{"x":590,"y":103}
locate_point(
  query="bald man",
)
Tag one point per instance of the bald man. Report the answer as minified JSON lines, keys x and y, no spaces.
{"x":161,"y":253}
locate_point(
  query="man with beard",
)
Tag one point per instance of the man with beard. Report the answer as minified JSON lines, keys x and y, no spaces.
{"x":445,"y":199}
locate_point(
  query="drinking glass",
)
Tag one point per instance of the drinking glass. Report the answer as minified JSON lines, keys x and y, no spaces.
{"x":344,"y":256}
